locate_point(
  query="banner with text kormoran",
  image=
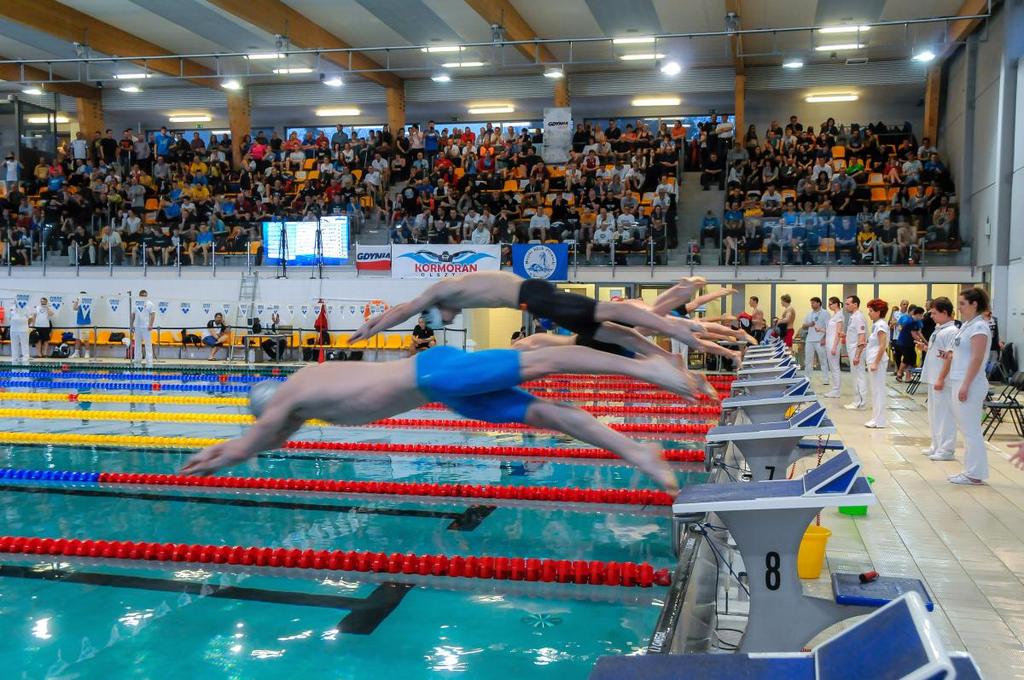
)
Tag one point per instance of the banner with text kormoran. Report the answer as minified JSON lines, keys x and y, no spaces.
{"x":425,"y":261}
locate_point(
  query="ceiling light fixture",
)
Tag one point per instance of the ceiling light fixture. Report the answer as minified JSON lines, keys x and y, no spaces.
{"x":231,"y":85}
{"x":42,"y":120}
{"x":343,"y":111}
{"x":32,"y":90}
{"x":642,"y":56}
{"x":462,"y":64}
{"x":637,"y":40}
{"x":441,"y":78}
{"x":292,"y":70}
{"x":793,"y":63}
{"x":333,"y":82}
{"x":827,"y":98}
{"x":924,"y":55}
{"x":189,"y":118}
{"x":441,"y":48}
{"x":844,"y":29}
{"x":259,"y":56}
{"x":131,"y":76}
{"x":554,"y":72}
{"x":839,"y":47}
{"x":131,"y":88}
{"x":657,"y":101}
{"x":671,"y":68}
{"x":486,"y":110}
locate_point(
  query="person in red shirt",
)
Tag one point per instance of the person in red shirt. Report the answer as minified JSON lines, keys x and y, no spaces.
{"x":467,"y":136}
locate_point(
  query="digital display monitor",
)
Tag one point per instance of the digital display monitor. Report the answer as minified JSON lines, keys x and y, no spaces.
{"x":300,"y":237}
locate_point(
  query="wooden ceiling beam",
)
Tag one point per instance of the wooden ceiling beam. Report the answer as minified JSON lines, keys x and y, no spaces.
{"x":502,"y":13}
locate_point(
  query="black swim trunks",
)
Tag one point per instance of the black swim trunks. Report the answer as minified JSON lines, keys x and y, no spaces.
{"x":572,"y":312}
{"x":611,"y":348}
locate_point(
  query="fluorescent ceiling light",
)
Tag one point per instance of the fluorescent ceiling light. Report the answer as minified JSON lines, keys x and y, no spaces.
{"x":839,"y":47}
{"x":42,"y":120}
{"x":793,"y":63}
{"x":441,"y":78}
{"x":326,"y":113}
{"x":441,"y":48}
{"x":334,"y":82}
{"x":926,"y":55}
{"x":844,"y":29}
{"x":642,"y":56}
{"x":32,"y":90}
{"x":131,"y":76}
{"x":264,"y":55}
{"x":231,"y":85}
{"x":638,"y":40}
{"x":462,"y":64}
{"x":554,"y":72}
{"x":131,"y":88}
{"x":292,"y":70}
{"x":671,"y":68}
{"x":481,"y":110}
{"x":190,"y":118}
{"x":825,"y":98}
{"x":657,"y":101}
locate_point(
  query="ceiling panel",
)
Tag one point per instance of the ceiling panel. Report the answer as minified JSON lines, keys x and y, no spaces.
{"x":462,"y":19}
{"x":412,"y":20}
{"x":617,"y":18}
{"x":229,"y":35}
{"x":171,"y":35}
{"x":561,"y":19}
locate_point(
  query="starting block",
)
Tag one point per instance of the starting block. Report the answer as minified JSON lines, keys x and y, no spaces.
{"x":767,"y":371}
{"x":767,"y":385}
{"x":767,"y":409}
{"x":769,"y":448}
{"x":896,"y":641}
{"x":767,"y":520}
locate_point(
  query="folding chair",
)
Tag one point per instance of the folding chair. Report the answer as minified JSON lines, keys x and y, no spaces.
{"x":1007,"y":401}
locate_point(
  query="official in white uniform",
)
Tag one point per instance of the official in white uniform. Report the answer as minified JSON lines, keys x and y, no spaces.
{"x":814,"y":341}
{"x":143,"y":317}
{"x":833,"y":338}
{"x":968,"y":383}
{"x":877,"y":359}
{"x":856,"y":339}
{"x":934,"y":373}
{"x":21,"y":352}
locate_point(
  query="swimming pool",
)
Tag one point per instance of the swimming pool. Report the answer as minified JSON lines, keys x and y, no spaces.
{"x":87,"y":617}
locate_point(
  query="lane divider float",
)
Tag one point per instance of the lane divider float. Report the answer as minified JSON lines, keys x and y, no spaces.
{"x":593,"y":572}
{"x":492,"y":491}
{"x":677,"y":455}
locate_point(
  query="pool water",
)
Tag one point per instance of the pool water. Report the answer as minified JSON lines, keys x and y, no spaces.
{"x":89,"y":618}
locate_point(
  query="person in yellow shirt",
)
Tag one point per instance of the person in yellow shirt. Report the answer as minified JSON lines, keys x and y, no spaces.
{"x":866,"y":243}
{"x":199,"y":192}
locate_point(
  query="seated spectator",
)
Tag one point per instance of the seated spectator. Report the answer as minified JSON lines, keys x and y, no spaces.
{"x":771,"y":201}
{"x":480,"y":235}
{"x":539,"y":225}
{"x":941,"y":228}
{"x":886,"y":250}
{"x":906,"y":242}
{"x":217,"y":335}
{"x":422,"y":337}
{"x":712,"y":174}
{"x":711,"y":227}
{"x":866,"y":244}
{"x":911,"y":170}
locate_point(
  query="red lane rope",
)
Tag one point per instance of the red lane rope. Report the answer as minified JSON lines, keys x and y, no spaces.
{"x":605,"y":396}
{"x":445,"y":424}
{"x":673,"y":455}
{"x":526,"y":493}
{"x":628,"y":410}
{"x":605,"y":381}
{"x":625,"y":574}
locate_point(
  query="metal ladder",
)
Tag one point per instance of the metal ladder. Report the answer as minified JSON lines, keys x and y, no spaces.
{"x":247,"y":296}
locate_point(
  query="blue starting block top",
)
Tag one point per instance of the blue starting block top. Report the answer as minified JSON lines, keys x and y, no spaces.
{"x":835,"y":482}
{"x":848,"y":589}
{"x":895,"y":642}
{"x":788,"y":374}
{"x":811,"y":421}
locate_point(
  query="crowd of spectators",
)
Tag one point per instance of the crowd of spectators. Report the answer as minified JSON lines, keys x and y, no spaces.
{"x":800,"y":194}
{"x":104,"y":198}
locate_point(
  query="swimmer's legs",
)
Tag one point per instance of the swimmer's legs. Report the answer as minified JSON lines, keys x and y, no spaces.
{"x":655,"y":369}
{"x":538,"y":340}
{"x":632,"y":315}
{"x":583,"y":426}
{"x":631,"y":339}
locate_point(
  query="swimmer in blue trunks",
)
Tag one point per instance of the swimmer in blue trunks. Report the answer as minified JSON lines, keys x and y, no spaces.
{"x":480,"y":385}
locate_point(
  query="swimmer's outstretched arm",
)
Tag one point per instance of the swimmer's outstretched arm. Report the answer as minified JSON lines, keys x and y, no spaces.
{"x":404,"y":311}
{"x":270,"y":431}
{"x":700,"y":300}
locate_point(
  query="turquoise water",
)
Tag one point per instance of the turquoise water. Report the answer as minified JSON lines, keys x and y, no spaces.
{"x":80,"y":618}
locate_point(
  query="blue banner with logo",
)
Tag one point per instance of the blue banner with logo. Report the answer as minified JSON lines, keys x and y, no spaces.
{"x":541,"y":261}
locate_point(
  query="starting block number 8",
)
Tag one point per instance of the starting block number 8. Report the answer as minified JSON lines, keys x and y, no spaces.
{"x":771,"y":573}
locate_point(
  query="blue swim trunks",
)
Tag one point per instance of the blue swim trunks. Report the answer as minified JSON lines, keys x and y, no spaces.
{"x":479,"y":385}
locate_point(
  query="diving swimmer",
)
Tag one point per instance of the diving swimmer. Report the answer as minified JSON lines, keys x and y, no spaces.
{"x":479,"y":385}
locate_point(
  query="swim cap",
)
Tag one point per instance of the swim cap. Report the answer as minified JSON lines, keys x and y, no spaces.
{"x":433,"y":318}
{"x":260,"y":395}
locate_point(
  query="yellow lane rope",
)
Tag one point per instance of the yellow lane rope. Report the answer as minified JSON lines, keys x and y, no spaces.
{"x":77,"y":414}
{"x":105,"y":440}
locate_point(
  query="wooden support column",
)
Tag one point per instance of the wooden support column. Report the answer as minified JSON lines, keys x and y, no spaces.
{"x":396,"y":107}
{"x":89,"y":111}
{"x":562,"y":92}
{"x":932,"y":102}
{"x":739,"y":102}
{"x":239,"y":119}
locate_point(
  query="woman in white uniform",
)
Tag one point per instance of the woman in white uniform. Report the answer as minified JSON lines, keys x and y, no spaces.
{"x":968,"y":384}
{"x":20,"y":346}
{"x":935,"y":373}
{"x":877,"y":357}
{"x":833,"y":333}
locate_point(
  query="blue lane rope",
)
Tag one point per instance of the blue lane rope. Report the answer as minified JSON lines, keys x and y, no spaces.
{"x":49,"y":475}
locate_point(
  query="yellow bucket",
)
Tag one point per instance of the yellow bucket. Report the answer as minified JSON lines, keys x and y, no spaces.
{"x":811,"y":557}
